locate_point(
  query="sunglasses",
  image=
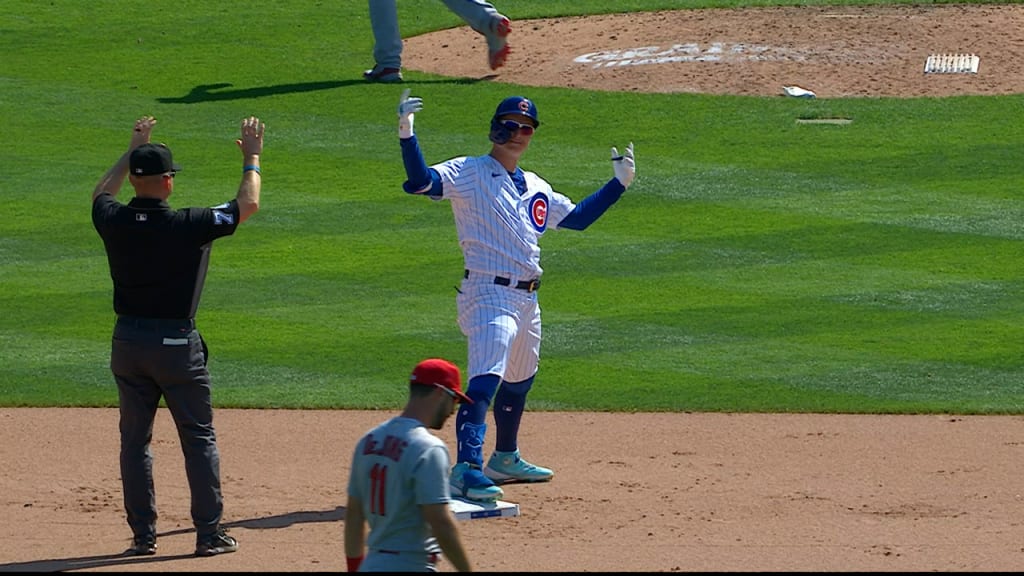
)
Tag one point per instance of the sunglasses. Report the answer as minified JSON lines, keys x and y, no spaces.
{"x":513,"y":126}
{"x":447,"y":391}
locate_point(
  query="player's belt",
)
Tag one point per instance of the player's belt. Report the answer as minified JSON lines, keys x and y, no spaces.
{"x":528,"y":285}
{"x":432,"y":557}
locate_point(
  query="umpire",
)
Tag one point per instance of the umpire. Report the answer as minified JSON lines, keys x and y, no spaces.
{"x":158,"y":261}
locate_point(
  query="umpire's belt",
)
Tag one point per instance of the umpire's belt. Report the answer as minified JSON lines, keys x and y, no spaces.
{"x":528,"y":285}
{"x":180,"y":324}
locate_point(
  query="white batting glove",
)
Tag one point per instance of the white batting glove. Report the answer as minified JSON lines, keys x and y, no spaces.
{"x":625,"y":166}
{"x":407,"y":107}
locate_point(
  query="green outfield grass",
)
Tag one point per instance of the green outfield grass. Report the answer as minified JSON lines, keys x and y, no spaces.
{"x":755,"y":265}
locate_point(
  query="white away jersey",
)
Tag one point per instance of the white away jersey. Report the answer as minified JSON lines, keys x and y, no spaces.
{"x":396,"y":467}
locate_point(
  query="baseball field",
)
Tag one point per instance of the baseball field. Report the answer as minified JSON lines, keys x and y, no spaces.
{"x":794,"y":344}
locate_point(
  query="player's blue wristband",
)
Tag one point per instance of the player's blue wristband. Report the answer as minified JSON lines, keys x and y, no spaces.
{"x":255,"y":169}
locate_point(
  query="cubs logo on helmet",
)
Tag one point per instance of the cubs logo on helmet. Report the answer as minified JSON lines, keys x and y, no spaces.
{"x":511,"y":105}
{"x":518,"y":105}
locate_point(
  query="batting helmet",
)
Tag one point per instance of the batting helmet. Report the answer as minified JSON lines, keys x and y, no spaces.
{"x":511,"y":105}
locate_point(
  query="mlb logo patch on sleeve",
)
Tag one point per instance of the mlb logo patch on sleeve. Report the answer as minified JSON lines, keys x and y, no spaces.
{"x":223,"y":218}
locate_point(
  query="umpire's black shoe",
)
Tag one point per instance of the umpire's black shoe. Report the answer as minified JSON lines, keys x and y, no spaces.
{"x":217,"y":543}
{"x":142,"y":546}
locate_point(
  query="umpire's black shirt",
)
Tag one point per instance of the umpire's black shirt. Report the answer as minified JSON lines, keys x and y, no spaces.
{"x":158,"y":256}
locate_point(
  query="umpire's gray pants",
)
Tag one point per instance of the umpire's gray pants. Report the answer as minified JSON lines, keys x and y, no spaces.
{"x":149,"y":359}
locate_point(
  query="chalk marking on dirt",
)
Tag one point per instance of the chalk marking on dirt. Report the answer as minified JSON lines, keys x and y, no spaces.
{"x":689,"y":52}
{"x":695,"y":52}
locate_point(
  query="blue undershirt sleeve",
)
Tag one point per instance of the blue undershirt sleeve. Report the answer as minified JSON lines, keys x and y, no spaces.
{"x":592,"y":207}
{"x":421,"y":178}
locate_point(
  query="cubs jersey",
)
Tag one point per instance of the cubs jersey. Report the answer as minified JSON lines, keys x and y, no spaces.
{"x":498,"y":225}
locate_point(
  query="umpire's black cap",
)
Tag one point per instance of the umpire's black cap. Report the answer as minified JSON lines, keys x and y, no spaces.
{"x":150,"y":159}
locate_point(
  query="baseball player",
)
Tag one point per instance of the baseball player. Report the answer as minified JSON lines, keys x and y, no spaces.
{"x":500,"y":211}
{"x":480,"y":15}
{"x":398,"y":483}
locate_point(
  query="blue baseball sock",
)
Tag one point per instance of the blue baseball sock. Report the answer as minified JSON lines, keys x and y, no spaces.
{"x":509,"y":403}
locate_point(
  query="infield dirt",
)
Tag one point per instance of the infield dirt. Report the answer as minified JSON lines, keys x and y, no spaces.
{"x":632,"y":492}
{"x":834,"y":51}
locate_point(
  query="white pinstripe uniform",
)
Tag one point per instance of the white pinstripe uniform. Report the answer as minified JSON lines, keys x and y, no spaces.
{"x":498,"y":231}
{"x":500,"y":217}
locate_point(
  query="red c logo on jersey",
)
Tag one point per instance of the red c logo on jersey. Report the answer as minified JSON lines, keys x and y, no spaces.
{"x":539,"y":212}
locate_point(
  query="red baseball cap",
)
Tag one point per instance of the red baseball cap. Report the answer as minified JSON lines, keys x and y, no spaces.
{"x":441,"y":373}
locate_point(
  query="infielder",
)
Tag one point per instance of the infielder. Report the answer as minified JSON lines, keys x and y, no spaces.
{"x":398,"y":483}
{"x":500,"y":211}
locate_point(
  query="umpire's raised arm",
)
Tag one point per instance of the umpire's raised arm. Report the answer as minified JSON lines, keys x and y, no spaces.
{"x":113,"y":179}
{"x":251,"y":144}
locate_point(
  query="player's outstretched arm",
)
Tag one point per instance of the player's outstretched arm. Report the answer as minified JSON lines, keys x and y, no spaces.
{"x":592,"y":207}
{"x":420,"y":178}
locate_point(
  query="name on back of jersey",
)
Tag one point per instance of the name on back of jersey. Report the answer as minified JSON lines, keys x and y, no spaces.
{"x":391,"y":447}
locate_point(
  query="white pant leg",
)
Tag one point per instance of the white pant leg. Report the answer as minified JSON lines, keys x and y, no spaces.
{"x":524,"y":354}
{"x":502,"y":325}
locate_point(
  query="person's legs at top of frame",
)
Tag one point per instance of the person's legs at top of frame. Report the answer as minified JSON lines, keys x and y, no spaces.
{"x":481,"y":16}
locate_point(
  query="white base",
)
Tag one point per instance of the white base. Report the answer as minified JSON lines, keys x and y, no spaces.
{"x":470,"y":510}
{"x":951,"y":64}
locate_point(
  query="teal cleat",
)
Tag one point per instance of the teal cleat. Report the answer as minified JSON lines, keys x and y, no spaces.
{"x":510,"y":467}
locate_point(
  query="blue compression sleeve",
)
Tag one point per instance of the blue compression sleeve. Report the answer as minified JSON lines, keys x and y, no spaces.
{"x":592,"y":207}
{"x":421,"y":179}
